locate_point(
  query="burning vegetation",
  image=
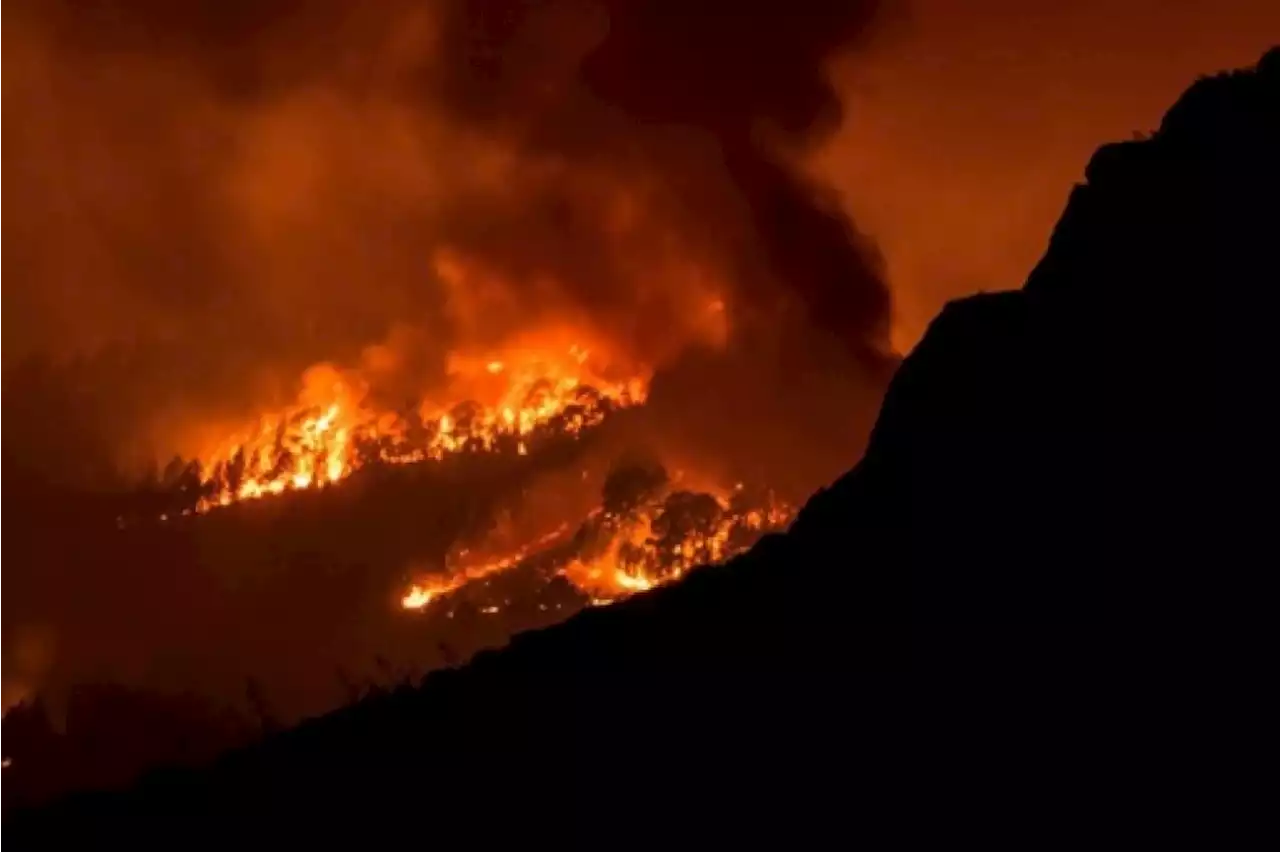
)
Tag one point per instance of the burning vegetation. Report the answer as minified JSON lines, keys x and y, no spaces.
{"x":519,"y":405}
{"x":646,"y":532}
{"x":514,"y":254}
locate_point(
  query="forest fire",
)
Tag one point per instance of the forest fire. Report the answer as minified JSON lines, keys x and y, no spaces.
{"x":421,"y":594}
{"x":513,"y":403}
{"x":496,"y":258}
{"x":646,"y":532}
{"x":645,"y":535}
{"x":658,"y":542}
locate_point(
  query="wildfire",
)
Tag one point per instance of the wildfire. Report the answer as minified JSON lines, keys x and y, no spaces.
{"x":661,"y":542}
{"x":417,"y":597}
{"x":511,"y":402}
{"x":648,"y":529}
{"x":619,"y":551}
{"x":420,"y":594}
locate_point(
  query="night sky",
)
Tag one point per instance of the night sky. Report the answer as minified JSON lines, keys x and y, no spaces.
{"x":204,"y":199}
{"x":968,"y":122}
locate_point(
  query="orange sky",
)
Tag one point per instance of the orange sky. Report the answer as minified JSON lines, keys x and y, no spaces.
{"x":968,"y":122}
{"x":217,"y":160}
{"x":233,"y":211}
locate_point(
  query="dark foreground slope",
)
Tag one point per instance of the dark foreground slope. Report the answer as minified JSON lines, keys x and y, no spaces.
{"x":1015,"y":609}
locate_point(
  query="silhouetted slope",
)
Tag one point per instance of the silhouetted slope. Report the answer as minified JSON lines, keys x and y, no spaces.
{"x":1040,"y":524}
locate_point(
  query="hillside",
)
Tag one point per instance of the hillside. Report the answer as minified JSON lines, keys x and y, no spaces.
{"x":1040,"y":529}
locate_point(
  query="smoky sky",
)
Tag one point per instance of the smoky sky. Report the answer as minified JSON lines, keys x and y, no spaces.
{"x":204,"y":198}
{"x":969,"y":122}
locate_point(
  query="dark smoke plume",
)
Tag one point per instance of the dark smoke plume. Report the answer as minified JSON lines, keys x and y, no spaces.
{"x":712,"y":102}
{"x":206,"y":197}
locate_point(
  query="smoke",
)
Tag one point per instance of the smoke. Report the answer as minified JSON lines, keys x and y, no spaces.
{"x":215,"y":206}
{"x":206,"y":198}
{"x":972,"y":120}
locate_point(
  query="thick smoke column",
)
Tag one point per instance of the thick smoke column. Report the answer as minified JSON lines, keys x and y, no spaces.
{"x":207,"y":197}
{"x":756,"y":80}
{"x":714,"y":104}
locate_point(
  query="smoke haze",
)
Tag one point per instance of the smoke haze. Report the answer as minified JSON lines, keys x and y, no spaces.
{"x":209,"y":202}
{"x":205,"y":198}
{"x":970,"y":121}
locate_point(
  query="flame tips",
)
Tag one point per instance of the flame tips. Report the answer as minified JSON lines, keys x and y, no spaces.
{"x":322,"y":441}
{"x":621,"y":553}
{"x":416,"y":598}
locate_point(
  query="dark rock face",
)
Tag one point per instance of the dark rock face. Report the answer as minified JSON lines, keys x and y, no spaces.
{"x":1012,"y":608}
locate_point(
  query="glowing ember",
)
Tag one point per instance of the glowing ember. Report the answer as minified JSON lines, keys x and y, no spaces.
{"x":422,"y":593}
{"x":417,"y":597}
{"x":662,"y":541}
{"x":511,"y":402}
{"x":619,"y":552}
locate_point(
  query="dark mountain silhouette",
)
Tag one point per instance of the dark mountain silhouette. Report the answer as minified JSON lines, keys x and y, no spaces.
{"x":1025,"y":608}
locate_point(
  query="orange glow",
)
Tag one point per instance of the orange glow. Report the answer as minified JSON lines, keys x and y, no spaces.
{"x":634,"y":553}
{"x":501,"y":405}
{"x":431,"y":588}
{"x":641,"y":555}
{"x":1022,"y":94}
{"x":417,"y":597}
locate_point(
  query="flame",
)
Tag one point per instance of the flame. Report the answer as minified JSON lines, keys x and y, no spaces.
{"x":640,"y":556}
{"x":510,"y":401}
{"x":421,"y":594}
{"x":417,"y":597}
{"x":636,"y":552}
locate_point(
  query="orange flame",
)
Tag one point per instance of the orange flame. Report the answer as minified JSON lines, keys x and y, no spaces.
{"x":640,"y":557}
{"x":511,"y":400}
{"x":424,"y":592}
{"x":636,"y":555}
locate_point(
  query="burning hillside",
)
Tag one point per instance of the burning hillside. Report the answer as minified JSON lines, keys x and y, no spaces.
{"x":646,"y":532}
{"x":505,"y":245}
{"x":518,"y":399}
